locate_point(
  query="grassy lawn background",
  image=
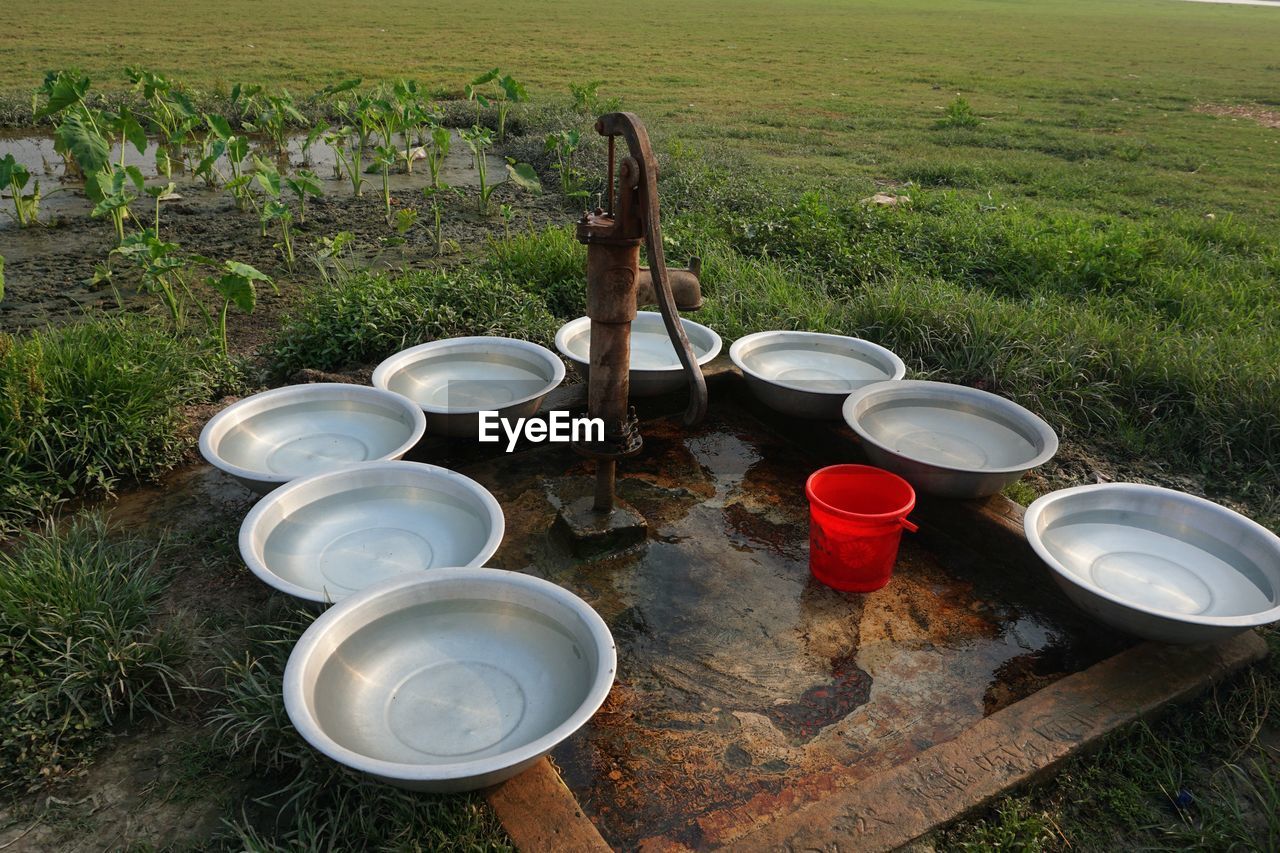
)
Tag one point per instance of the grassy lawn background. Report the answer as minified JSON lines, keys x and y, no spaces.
{"x":1088,"y":103}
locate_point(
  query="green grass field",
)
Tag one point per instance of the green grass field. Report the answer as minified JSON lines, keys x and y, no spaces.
{"x":1085,"y":103}
{"x":1057,"y":248}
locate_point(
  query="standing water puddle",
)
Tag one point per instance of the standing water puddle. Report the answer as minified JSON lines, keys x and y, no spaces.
{"x":745,"y":688}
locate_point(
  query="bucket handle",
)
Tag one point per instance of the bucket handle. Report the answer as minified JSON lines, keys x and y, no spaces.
{"x":910,"y":527}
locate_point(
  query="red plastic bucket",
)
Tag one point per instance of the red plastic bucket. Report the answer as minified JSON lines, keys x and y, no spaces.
{"x":856,"y":517}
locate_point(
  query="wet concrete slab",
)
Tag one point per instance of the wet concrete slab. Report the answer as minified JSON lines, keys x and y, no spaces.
{"x":747,"y":690}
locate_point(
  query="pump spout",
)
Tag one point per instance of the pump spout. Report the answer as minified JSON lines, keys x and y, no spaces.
{"x":686,"y":286}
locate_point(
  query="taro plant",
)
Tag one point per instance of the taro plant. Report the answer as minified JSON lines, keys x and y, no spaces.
{"x":586,"y":99}
{"x":411,"y":117}
{"x":563,"y":145}
{"x":83,"y":138}
{"x":244,"y":99}
{"x":302,"y":184}
{"x":115,"y":191}
{"x":15,"y":176}
{"x":158,"y":194}
{"x":313,"y":136}
{"x":171,"y":115}
{"x":437,"y":149}
{"x":236,"y":148}
{"x":162,"y":269}
{"x":277,"y":211}
{"x":274,"y":210}
{"x":346,"y":157}
{"x":272,"y":117}
{"x":435,"y":197}
{"x":212,"y":146}
{"x":364,"y":117}
{"x":335,"y":250}
{"x":479,"y":140}
{"x":493,"y":88}
{"x":384,"y":157}
{"x":79,"y":138}
{"x":235,"y":283}
{"x":405,"y":219}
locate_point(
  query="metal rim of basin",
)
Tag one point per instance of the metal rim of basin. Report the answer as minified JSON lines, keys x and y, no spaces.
{"x":224,"y":421}
{"x":860,"y":401}
{"x":742,"y":348}
{"x":1217,"y":517}
{"x":710,"y":341}
{"x":294,"y":496}
{"x":383,"y":373}
{"x":506,"y":586}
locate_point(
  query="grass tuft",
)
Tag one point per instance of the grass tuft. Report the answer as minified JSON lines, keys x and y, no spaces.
{"x":90,"y":405}
{"x":78,"y":647}
{"x":314,"y":803}
{"x":364,"y":317}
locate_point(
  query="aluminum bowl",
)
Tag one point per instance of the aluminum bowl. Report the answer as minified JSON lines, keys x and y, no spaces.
{"x":809,"y":374}
{"x":325,"y":537}
{"x":655,"y":367}
{"x":451,"y":680}
{"x":456,"y":378}
{"x":1158,"y":563}
{"x":948,"y":440}
{"x":278,"y":435}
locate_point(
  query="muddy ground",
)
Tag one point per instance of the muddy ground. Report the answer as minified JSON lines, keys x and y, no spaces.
{"x":49,"y":269}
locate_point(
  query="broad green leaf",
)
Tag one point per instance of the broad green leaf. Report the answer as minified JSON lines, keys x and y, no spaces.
{"x":487,"y":77}
{"x":304,"y":182}
{"x":267,"y":176}
{"x":164,"y":165}
{"x":219,"y":125}
{"x":275,"y":210}
{"x":237,"y":149}
{"x":523,"y":175}
{"x":87,"y":147}
{"x":134,"y":174}
{"x":236,"y":289}
{"x":157,"y":192}
{"x":514,"y":89}
{"x":12,"y":172}
{"x":344,"y":86}
{"x":237,"y":268}
{"x":132,"y":131}
{"x":67,"y":88}
{"x":216,"y":150}
{"x":182,"y":104}
{"x":315,"y":133}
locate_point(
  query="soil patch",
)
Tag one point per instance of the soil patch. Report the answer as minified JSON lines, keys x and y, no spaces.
{"x":1265,"y":116}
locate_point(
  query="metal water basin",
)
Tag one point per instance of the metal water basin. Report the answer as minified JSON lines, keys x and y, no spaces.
{"x":273,"y":437}
{"x":948,"y":440}
{"x":454,"y":379}
{"x":1158,"y":563}
{"x":655,"y":367}
{"x":809,"y":374}
{"x":449,"y":681}
{"x":325,"y":537}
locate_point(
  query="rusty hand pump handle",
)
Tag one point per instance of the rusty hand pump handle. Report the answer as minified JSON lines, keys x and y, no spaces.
{"x":630,"y":128}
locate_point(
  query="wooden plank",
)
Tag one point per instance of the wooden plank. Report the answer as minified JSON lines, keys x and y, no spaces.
{"x":540,"y":813}
{"x":1012,"y":747}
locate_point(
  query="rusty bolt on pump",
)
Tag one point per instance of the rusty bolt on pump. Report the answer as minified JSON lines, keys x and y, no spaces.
{"x":616,"y":285}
